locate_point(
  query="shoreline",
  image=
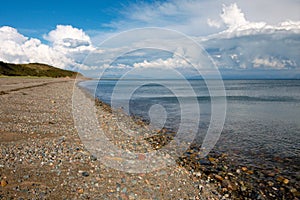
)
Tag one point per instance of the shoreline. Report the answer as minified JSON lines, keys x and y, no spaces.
{"x":232,"y":180}
{"x":42,"y":156}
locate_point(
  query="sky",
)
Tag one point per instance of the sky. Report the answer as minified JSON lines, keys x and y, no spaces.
{"x":258,"y":38}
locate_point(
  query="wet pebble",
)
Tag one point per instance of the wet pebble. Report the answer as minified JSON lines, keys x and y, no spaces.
{"x":85,"y":174}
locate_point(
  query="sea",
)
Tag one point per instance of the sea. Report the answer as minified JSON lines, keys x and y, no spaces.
{"x":262,"y":121}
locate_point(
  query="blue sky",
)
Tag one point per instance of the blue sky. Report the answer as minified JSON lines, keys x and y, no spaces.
{"x":260,"y":38}
{"x":35,"y":18}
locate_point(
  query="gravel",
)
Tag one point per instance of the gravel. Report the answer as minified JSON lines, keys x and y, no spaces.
{"x":42,"y":156}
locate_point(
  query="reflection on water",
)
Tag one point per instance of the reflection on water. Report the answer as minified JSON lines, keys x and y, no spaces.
{"x":263,"y":116}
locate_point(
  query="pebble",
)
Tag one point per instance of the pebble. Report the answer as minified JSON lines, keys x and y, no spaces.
{"x":60,"y":154}
{"x":285,"y":181}
{"x":124,"y":190}
{"x":244,"y":169}
{"x":198,"y":174}
{"x":93,"y":158}
{"x":80,"y":191}
{"x":270,"y":183}
{"x":218,"y":177}
{"x":3,"y":183}
{"x":85,"y":174}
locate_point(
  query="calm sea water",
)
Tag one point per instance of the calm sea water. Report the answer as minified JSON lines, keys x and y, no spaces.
{"x":262,"y":125}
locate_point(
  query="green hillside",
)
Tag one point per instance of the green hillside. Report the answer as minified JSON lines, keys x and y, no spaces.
{"x":34,"y":69}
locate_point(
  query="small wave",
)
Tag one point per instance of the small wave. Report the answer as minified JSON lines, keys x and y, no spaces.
{"x":228,"y":98}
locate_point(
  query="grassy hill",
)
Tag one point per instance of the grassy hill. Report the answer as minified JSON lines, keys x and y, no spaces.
{"x":34,"y":69}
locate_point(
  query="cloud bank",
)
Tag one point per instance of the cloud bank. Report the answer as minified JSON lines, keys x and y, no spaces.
{"x":237,"y":25}
{"x":253,"y":45}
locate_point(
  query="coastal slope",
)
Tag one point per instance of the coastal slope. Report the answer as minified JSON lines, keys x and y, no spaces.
{"x":34,"y":69}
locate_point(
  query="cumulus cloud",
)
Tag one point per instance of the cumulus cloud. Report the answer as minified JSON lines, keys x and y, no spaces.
{"x":199,"y":18}
{"x":237,"y":25}
{"x":68,"y":46}
{"x":10,"y":34}
{"x":232,"y":16}
{"x":268,"y":62}
{"x":69,"y":37}
{"x":173,"y":62}
{"x":253,"y":45}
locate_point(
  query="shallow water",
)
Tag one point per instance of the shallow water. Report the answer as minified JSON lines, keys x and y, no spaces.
{"x":262,"y":124}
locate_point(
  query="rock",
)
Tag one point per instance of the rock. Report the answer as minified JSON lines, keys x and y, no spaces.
{"x":85,"y":174}
{"x":141,"y":156}
{"x":244,"y":169}
{"x":26,"y":176}
{"x":280,"y":178}
{"x":124,"y":190}
{"x":230,"y":174}
{"x":93,"y":158}
{"x":250,"y":172}
{"x":218,"y":177}
{"x":270,"y":174}
{"x":198,"y":174}
{"x":3,"y":183}
{"x":270,"y":183}
{"x":243,"y":188}
{"x":227,"y":184}
{"x":211,"y":159}
{"x":204,"y":162}
{"x":295,"y":192}
{"x":80,"y":191}
{"x":200,"y":188}
{"x":285,"y":181}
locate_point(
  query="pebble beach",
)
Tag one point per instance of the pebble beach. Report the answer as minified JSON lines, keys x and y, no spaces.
{"x":42,"y":156}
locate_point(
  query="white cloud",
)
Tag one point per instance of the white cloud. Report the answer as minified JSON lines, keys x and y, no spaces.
{"x":69,"y":37}
{"x":253,"y":45}
{"x":237,"y":25}
{"x":173,"y":62}
{"x":68,"y":46}
{"x":214,"y":23}
{"x":270,"y":63}
{"x":198,"y":18}
{"x":233,"y":17}
{"x":10,"y":34}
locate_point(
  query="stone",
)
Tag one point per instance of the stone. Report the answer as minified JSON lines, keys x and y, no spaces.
{"x":244,"y":169}
{"x":3,"y":183}
{"x":250,"y":172}
{"x":270,"y":183}
{"x":85,"y":174}
{"x":280,"y":178}
{"x":80,"y":191}
{"x":93,"y":158}
{"x":211,"y":159}
{"x":198,"y":174}
{"x":218,"y":177}
{"x":285,"y":181}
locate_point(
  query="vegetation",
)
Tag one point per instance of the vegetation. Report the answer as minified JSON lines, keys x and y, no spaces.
{"x":34,"y":69}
